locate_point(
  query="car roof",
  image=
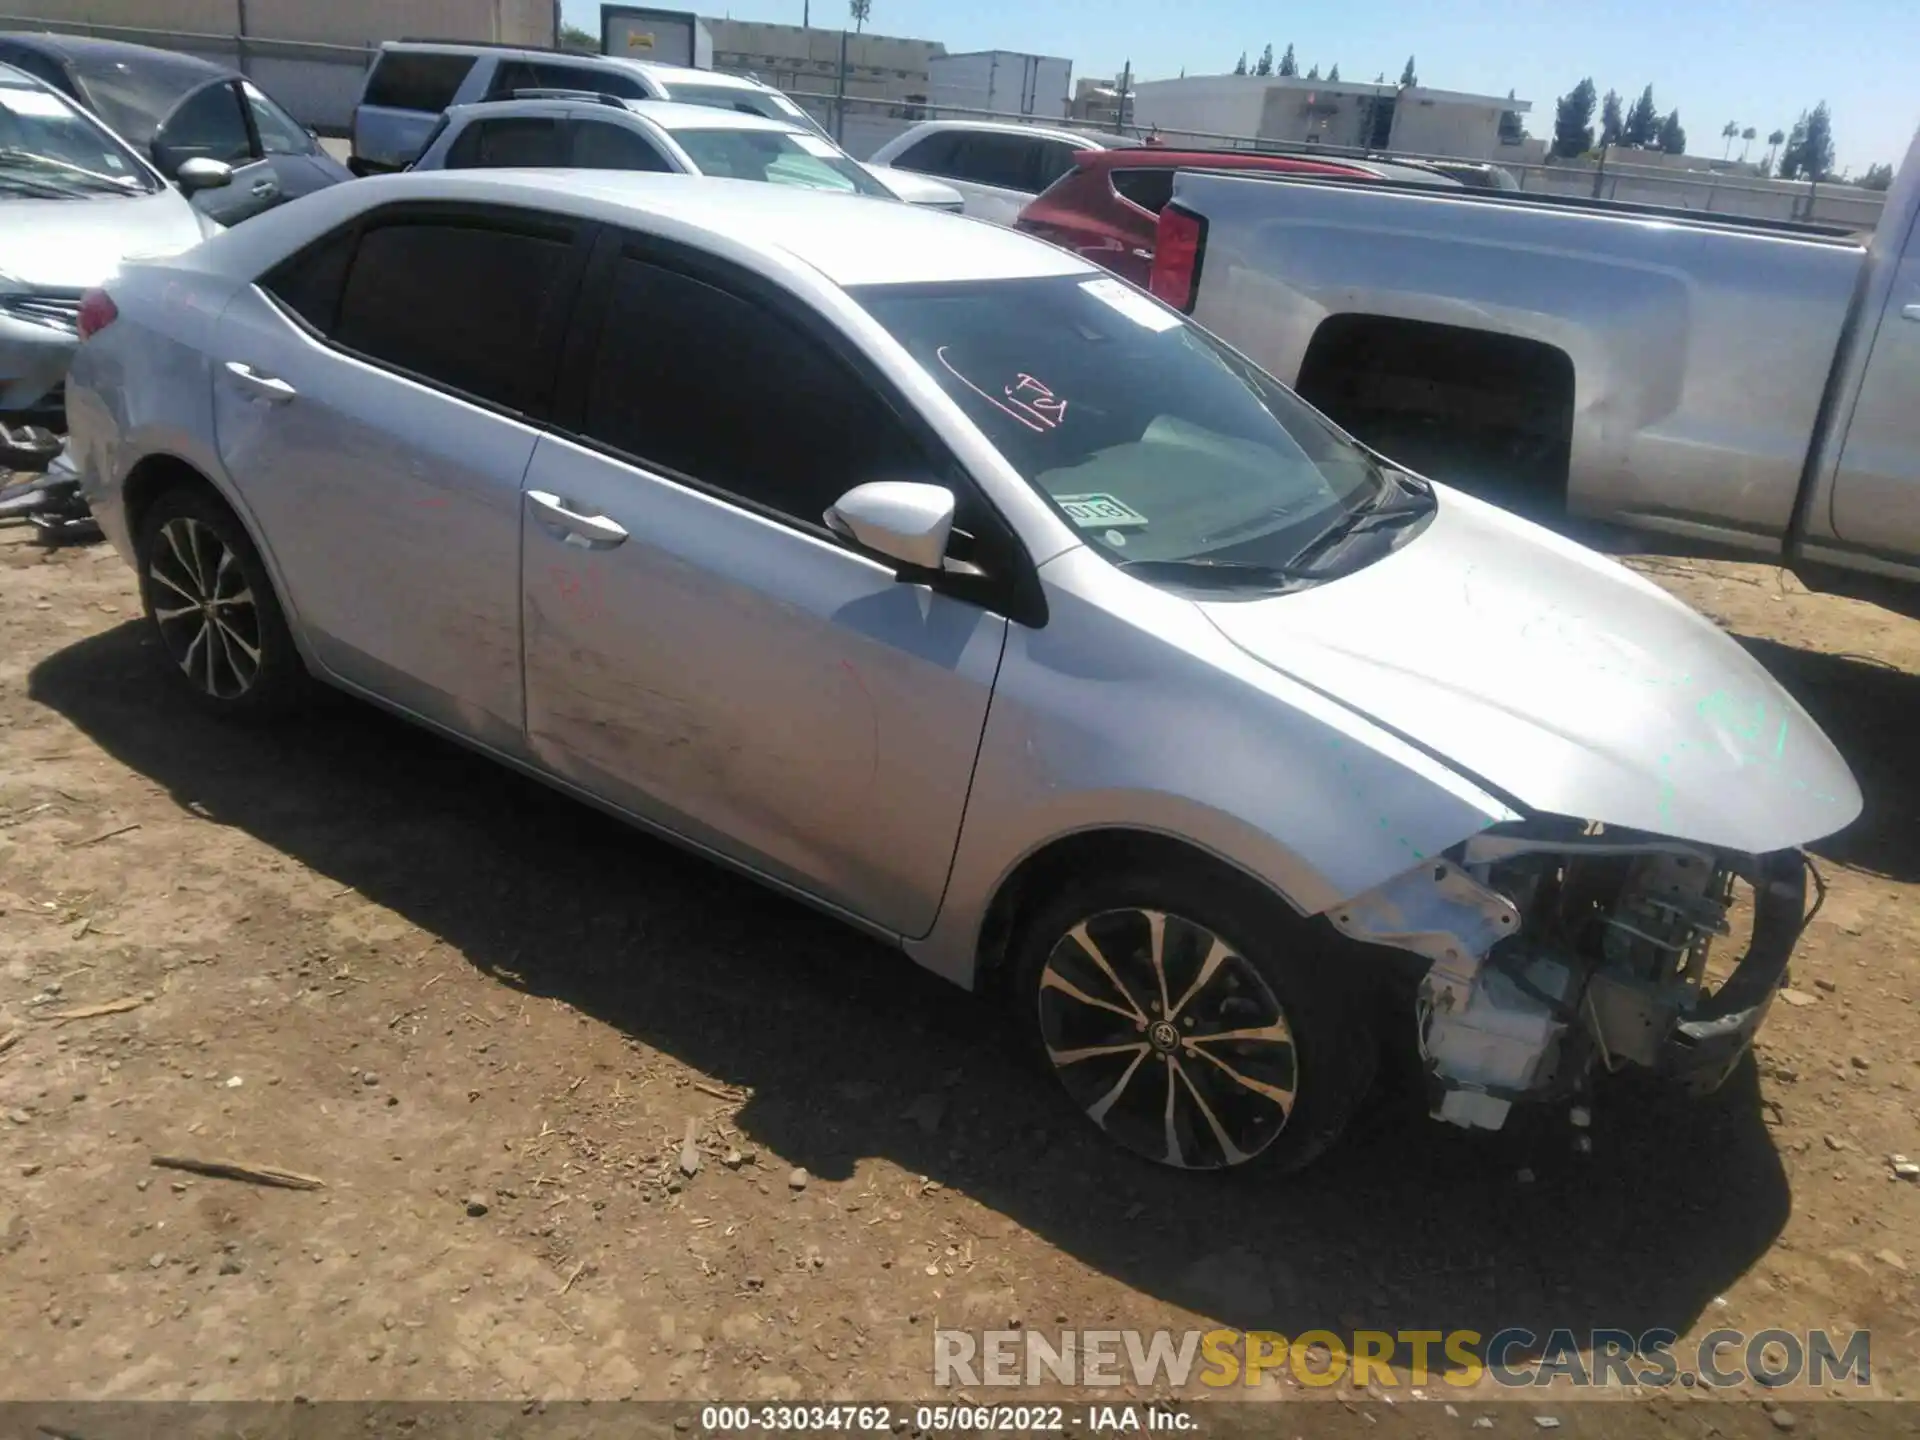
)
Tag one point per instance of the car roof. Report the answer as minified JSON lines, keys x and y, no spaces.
{"x":1085,"y":139}
{"x":1165,"y":157}
{"x":668,"y":115}
{"x":122,"y":52}
{"x":849,"y":240}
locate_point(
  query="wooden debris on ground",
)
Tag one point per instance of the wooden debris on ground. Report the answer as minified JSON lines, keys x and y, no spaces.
{"x":94,"y":1012}
{"x":235,"y":1170}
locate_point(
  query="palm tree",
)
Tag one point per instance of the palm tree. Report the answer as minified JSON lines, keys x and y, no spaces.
{"x":1774,"y":142}
{"x":1746,"y":142}
{"x":1729,"y":132}
{"x":859,"y":9}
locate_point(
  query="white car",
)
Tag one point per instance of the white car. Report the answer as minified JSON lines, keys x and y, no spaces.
{"x":997,"y":166}
{"x":559,"y":130}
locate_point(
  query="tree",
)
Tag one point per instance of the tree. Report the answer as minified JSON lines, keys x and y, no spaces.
{"x":1313,"y":72}
{"x":1289,"y":65}
{"x":1240,"y":67}
{"x":1673,"y":139}
{"x":1793,"y":153}
{"x":1264,"y":66}
{"x":1511,"y":131}
{"x":1642,"y":123}
{"x":1747,"y":137}
{"x":1775,"y":139}
{"x":1381,"y":78}
{"x":1333,"y":75}
{"x":1878,"y":177}
{"x":1573,"y":120}
{"x":572,"y":37}
{"x":1729,"y":132}
{"x":860,"y":10}
{"x":1610,"y":121}
{"x":1816,"y":156}
{"x":1407,"y":78}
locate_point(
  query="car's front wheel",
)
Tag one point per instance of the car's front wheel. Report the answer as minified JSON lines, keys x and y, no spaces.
{"x":212,"y":608}
{"x":1194,"y":1018}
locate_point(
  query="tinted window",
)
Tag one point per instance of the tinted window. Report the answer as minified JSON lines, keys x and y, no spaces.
{"x":280,"y":133}
{"x":600,"y":146}
{"x":931,"y":156}
{"x":777,"y":157}
{"x":1006,"y":161}
{"x":1149,"y":189}
{"x":738,"y":399}
{"x":209,"y":126}
{"x":309,"y":283}
{"x":455,"y":303}
{"x":37,"y":65}
{"x":531,"y":140}
{"x":413,"y":80}
{"x":1054,"y":160}
{"x":526,"y":75}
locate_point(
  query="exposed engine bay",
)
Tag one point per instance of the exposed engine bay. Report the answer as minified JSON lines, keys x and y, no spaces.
{"x":1559,"y":948}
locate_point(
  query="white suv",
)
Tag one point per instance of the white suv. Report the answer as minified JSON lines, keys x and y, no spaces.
{"x":997,"y":166}
{"x":412,"y":83}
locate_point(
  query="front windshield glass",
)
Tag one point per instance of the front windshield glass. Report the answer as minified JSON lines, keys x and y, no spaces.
{"x":770,"y":103}
{"x":134,"y":97}
{"x":50,"y":150}
{"x":779,"y":157}
{"x":1152,"y":439}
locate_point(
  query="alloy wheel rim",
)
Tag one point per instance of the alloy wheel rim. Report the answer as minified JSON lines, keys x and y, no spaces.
{"x":1168,"y":1038}
{"x":205,"y":608}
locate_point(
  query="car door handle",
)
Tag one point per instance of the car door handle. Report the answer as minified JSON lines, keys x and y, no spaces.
{"x":276,"y":392}
{"x":596,"y":532}
{"x":264,"y":188}
{"x":1910,"y":312}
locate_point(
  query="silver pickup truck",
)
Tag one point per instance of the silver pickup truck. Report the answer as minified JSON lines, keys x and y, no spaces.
{"x":1742,"y":383}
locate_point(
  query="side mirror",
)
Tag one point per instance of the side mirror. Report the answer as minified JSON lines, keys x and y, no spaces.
{"x":903,"y":520}
{"x":201,"y":173}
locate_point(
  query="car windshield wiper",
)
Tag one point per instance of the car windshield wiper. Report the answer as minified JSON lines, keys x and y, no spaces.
{"x":73,"y":179}
{"x":1405,"y":499}
{"x":40,"y":187}
{"x":1201,"y":571}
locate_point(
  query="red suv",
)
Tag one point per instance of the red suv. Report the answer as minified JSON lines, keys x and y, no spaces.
{"x":1106,"y":207}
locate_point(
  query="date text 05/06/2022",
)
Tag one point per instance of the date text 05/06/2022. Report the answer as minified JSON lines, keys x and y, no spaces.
{"x":1040,"y":1419}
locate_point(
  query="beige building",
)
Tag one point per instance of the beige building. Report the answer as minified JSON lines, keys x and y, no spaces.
{"x":879,"y":67}
{"x":330,"y":22}
{"x":1294,"y":111}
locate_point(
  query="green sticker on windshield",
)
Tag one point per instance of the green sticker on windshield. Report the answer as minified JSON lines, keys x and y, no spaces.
{"x":1096,"y":512}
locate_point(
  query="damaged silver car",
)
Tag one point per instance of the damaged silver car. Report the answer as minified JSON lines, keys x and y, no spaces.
{"x":936,"y":578}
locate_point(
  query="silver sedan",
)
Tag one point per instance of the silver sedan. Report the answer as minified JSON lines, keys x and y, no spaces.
{"x":945,"y":582}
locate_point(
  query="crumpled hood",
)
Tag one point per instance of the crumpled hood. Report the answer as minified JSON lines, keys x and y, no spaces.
{"x":1564,"y":679}
{"x":74,"y":244}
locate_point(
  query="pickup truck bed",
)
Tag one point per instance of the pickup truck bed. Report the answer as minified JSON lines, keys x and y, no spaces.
{"x":1670,"y":371}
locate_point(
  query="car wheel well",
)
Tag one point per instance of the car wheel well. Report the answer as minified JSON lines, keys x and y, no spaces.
{"x":1488,"y":411}
{"x":1037,"y":876}
{"x":153,"y":477}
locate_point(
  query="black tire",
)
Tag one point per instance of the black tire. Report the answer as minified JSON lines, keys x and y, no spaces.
{"x":1274,"y":978}
{"x":211,"y":607}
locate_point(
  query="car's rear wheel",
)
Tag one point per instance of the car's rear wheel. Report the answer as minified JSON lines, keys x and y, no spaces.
{"x":1194,"y":1018}
{"x":212,"y":608}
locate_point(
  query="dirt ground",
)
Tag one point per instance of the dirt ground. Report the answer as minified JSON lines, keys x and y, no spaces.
{"x":347,"y":949}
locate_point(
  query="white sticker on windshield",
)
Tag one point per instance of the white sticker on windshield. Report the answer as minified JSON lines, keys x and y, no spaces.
{"x":1132,"y":304}
{"x":814,"y":145}
{"x":32,"y":102}
{"x":1096,"y":512}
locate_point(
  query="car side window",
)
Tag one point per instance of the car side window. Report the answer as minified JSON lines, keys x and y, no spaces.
{"x":1004,"y":161}
{"x":741,"y":400}
{"x":600,"y":146}
{"x":932,"y":156}
{"x":1149,"y":189}
{"x":37,"y":65}
{"x":530,"y":75}
{"x":519,"y":140}
{"x":416,"y":80}
{"x":209,"y":125}
{"x":280,"y":133}
{"x":460,"y":303}
{"x":1054,"y":159}
{"x":309,"y":282}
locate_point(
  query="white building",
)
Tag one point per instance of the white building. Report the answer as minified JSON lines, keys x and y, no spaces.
{"x":1293,"y":111}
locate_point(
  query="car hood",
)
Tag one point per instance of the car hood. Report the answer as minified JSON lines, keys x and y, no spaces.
{"x":72,"y":244}
{"x":917,"y":189}
{"x":1563,"y":679}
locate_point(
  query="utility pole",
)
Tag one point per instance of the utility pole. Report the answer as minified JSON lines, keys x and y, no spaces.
{"x":806,"y":14}
{"x":1126,"y":84}
{"x":840,"y":92}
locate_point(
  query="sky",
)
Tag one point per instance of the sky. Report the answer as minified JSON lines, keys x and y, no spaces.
{"x":1758,"y":62}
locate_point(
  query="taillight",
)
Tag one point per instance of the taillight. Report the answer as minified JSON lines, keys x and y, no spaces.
{"x":1176,"y":257}
{"x":97,"y":311}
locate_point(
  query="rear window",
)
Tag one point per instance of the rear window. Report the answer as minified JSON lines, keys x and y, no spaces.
{"x":1149,"y":189}
{"x":416,"y":80}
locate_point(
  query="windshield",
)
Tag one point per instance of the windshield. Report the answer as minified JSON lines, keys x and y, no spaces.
{"x":50,"y":150}
{"x":1157,"y":443}
{"x":769,"y":103}
{"x":779,"y":157}
{"x":135,"y":98}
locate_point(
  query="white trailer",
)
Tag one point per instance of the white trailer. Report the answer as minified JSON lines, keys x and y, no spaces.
{"x":1003,"y":81}
{"x":669,"y":37}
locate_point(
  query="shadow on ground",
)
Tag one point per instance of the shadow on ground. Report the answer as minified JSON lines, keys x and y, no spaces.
{"x":1405,"y":1225}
